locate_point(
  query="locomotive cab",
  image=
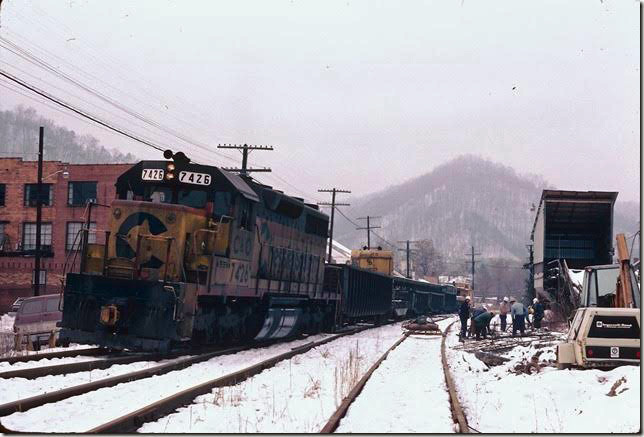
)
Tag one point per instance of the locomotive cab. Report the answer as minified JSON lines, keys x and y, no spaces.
{"x":173,"y":230}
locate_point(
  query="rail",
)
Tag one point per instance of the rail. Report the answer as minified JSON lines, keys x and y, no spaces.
{"x":57,"y":354}
{"x":132,"y":421}
{"x":457,"y":410}
{"x":338,"y":415}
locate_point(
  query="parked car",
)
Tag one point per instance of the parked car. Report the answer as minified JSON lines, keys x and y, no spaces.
{"x":16,"y":305}
{"x":36,"y":319}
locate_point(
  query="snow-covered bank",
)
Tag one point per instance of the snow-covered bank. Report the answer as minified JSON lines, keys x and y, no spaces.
{"x":496,"y":400}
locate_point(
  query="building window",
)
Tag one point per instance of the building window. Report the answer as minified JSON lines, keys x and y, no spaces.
{"x":3,"y":190}
{"x":80,"y":193}
{"x":75,"y":238}
{"x":29,"y":236}
{"x":4,"y":240}
{"x":31,"y":195}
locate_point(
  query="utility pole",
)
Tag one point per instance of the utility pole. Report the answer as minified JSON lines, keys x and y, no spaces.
{"x":246,"y":149}
{"x":473,"y":262}
{"x":530,"y":267}
{"x":41,"y":135}
{"x":409,"y":251}
{"x":369,"y":228}
{"x":333,"y":204}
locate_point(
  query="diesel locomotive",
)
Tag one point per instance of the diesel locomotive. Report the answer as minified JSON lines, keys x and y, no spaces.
{"x":194,"y":254}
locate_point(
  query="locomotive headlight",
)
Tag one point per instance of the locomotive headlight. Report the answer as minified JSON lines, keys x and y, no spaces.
{"x":169,"y":171}
{"x":117,"y":213}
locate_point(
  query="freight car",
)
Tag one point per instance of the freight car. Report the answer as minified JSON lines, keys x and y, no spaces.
{"x":410,"y":298}
{"x":364,"y":294}
{"x":413,"y":298}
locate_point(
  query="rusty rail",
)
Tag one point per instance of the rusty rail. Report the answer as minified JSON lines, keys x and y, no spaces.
{"x":84,"y":366}
{"x":132,"y":421}
{"x":339,"y":414}
{"x":457,"y":411}
{"x":59,"y":354}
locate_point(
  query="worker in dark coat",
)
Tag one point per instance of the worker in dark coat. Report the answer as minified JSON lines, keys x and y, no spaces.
{"x":481,"y":323}
{"x":464,"y":314}
{"x":538,"y":313}
{"x":475,"y":313}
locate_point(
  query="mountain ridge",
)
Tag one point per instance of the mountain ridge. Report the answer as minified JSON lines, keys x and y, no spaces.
{"x":468,"y":201}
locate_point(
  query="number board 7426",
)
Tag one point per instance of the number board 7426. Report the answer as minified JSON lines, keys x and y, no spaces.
{"x":190,"y":177}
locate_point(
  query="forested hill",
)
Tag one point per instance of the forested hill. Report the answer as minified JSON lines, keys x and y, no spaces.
{"x":19,"y":139}
{"x":467,"y":201}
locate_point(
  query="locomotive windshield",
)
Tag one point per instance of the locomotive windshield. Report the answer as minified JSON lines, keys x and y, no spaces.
{"x":193,"y":198}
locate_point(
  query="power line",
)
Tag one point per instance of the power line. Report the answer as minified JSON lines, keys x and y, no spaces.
{"x":79,"y":112}
{"x":33,"y":59}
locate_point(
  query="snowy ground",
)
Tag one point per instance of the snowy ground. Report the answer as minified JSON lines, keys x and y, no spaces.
{"x":6,"y":322}
{"x":112,"y":402}
{"x":496,"y":400}
{"x":411,"y":381}
{"x":298,"y":395}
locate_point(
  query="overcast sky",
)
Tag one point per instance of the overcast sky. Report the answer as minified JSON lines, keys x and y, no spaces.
{"x":353,"y":94}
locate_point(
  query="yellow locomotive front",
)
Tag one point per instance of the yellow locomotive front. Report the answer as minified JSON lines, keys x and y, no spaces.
{"x":140,"y":288}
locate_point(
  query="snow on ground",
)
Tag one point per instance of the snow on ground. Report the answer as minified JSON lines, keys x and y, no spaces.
{"x":411,"y":385}
{"x":296,"y":396}
{"x":112,"y":402}
{"x":6,"y":322}
{"x":550,"y":401}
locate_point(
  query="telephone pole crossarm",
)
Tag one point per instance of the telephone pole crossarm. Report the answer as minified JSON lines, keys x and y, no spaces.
{"x":369,"y":227}
{"x":246,"y":149}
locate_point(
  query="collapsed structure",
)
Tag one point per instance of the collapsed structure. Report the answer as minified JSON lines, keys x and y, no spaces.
{"x":572,"y":230}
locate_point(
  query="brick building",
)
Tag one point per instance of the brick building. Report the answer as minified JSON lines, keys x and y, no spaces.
{"x":66,"y":190}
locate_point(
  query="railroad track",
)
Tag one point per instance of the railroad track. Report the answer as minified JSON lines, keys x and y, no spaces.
{"x":83,"y":366}
{"x":132,"y":421}
{"x":458,"y":415}
{"x":58,"y":354}
{"x":178,"y":364}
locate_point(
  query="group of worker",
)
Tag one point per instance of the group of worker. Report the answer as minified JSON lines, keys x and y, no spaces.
{"x":480,"y":317}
